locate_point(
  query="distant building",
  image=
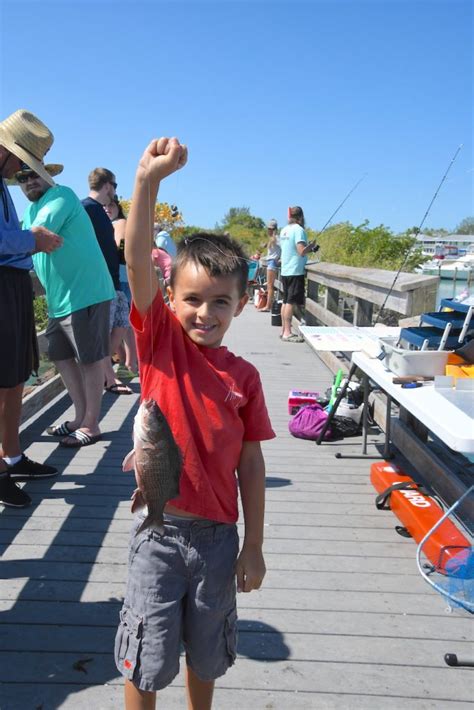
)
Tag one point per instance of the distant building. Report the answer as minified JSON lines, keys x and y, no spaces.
{"x":447,"y":245}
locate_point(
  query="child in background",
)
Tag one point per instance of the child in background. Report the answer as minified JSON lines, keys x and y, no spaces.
{"x":181,"y":585}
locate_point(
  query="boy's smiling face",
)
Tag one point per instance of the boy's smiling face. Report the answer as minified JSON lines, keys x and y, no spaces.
{"x":205,"y":305}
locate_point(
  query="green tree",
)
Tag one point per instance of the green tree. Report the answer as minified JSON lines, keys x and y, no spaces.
{"x":244,"y":227}
{"x":240,"y":216}
{"x":466,"y":226}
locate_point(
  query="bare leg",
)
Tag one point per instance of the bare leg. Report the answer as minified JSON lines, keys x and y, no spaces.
{"x":10,"y":413}
{"x":120,"y":353}
{"x":136,"y":699}
{"x":131,"y":360}
{"x":286,"y":318}
{"x":93,"y":376}
{"x":270,"y":287}
{"x":71,"y":374}
{"x":116,"y":338}
{"x":199,"y":692}
{"x":108,"y":376}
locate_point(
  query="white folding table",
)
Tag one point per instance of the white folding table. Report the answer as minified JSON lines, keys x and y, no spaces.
{"x":447,"y":413}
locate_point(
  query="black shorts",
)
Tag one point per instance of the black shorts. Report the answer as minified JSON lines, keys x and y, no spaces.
{"x":293,"y":290}
{"x":19,"y":345}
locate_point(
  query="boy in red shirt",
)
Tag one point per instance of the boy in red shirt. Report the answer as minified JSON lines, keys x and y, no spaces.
{"x":181,"y":585}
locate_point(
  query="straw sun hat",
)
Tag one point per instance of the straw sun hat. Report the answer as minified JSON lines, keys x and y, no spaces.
{"x":52,"y":169}
{"x":24,"y":135}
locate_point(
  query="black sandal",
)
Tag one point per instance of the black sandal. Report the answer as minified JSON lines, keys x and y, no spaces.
{"x":59,"y":430}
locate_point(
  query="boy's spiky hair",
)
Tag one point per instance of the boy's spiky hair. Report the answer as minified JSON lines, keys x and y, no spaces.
{"x":219,"y":254}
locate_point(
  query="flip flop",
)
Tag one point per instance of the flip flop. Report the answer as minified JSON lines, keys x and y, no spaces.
{"x":119,"y":389}
{"x":293,"y":339}
{"x":59,"y":430}
{"x":80,"y":439}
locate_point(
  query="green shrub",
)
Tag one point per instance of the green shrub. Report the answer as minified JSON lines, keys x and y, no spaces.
{"x":41,"y":313}
{"x":367,"y":247}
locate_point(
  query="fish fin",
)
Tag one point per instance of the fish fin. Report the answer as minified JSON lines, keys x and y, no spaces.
{"x":149,"y":520}
{"x":138,"y":501}
{"x":128,"y":463}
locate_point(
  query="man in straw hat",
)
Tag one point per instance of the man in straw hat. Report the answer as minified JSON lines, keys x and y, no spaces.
{"x":79,"y":290}
{"x":24,"y":139}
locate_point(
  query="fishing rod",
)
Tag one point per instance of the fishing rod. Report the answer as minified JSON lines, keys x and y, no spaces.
{"x":353,"y":368}
{"x":416,"y":231}
{"x":342,"y":203}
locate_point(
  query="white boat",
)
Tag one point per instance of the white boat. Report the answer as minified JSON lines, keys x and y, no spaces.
{"x":461,"y":269}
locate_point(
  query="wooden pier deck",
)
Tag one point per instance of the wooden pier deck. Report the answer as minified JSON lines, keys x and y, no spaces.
{"x":344,"y":619}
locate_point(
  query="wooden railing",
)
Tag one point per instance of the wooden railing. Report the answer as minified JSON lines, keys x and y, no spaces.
{"x":411,"y":295}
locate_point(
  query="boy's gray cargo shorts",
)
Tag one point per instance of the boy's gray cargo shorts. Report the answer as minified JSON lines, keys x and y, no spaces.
{"x":180,"y":591}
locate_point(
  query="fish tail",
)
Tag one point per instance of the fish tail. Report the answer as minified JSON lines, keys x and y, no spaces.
{"x":152,"y":520}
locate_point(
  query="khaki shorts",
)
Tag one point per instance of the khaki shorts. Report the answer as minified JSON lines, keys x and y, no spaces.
{"x":83,"y":335}
{"x":180,"y":591}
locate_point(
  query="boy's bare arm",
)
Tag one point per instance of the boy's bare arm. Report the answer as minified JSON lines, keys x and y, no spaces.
{"x":251,"y":473}
{"x":161,"y":158}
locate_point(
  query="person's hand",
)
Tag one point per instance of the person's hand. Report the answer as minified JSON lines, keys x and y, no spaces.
{"x":311,"y":248}
{"x":161,"y":158}
{"x":45,"y":240}
{"x":250,"y":569}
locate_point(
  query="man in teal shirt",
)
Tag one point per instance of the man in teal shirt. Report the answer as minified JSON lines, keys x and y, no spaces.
{"x":294,"y":248}
{"x":78,"y":290}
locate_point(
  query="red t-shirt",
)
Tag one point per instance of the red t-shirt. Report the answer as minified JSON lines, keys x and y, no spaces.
{"x":213,"y":402}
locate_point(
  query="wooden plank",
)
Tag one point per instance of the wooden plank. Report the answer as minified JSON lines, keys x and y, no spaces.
{"x":324,"y":316}
{"x":382,"y":278}
{"x":373,"y":286}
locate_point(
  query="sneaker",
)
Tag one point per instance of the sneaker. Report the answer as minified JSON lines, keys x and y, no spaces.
{"x":12,"y":495}
{"x":25,"y":469}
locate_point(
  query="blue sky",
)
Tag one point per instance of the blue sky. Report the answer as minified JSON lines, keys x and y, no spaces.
{"x":279,"y":102}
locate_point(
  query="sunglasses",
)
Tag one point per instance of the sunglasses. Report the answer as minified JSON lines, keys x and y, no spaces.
{"x":23,"y":177}
{"x":114,"y":184}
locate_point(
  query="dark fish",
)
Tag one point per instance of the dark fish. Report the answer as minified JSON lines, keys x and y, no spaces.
{"x":157,"y":461}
